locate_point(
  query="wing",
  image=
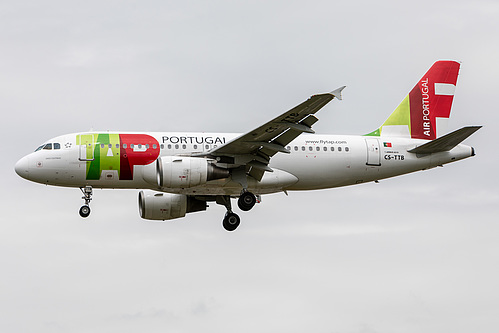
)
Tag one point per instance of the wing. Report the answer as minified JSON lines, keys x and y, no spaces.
{"x":254,"y":149}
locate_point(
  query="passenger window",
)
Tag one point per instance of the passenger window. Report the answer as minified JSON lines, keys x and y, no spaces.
{"x":339,"y":148}
{"x":310,"y":148}
{"x":207,"y":147}
{"x":154,"y":146}
{"x":184,"y":146}
{"x":140,"y":146}
{"x":57,"y":145}
{"x":332,"y":148}
{"x":117,"y":145}
{"x":102,"y":145}
{"x":48,"y":146}
{"x":347,"y":149}
{"x":169,"y":146}
{"x":176,"y":146}
{"x":147,"y":146}
{"x":318,"y":148}
{"x":110,"y":146}
{"x":303,"y":148}
{"x":325,"y":148}
{"x":124,"y":146}
{"x":195,"y":146}
{"x":296,"y":148}
{"x":162,"y":146}
{"x":131,"y":145}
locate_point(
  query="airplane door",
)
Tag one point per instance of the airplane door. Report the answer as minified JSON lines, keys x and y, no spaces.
{"x":373,"y":152}
{"x":87,"y":147}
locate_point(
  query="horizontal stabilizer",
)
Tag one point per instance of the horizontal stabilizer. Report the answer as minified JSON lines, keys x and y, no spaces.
{"x":446,"y":142}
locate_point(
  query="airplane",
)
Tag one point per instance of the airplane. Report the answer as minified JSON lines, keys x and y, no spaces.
{"x":179,"y":173}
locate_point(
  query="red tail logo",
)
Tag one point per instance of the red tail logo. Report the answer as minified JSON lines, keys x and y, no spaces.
{"x":432,"y":98}
{"x":423,"y":112}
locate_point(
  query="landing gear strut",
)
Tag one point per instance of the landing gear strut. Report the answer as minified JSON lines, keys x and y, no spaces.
{"x":87,"y":196}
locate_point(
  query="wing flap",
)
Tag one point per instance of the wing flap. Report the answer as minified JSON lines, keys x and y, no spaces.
{"x":310,"y":120}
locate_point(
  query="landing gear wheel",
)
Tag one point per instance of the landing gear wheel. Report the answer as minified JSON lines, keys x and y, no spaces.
{"x":87,"y":196}
{"x":246,"y":201}
{"x":84,"y":211}
{"x":231,"y":221}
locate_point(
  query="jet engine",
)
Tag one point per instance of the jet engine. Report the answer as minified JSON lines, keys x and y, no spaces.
{"x":185,"y":172}
{"x":166,"y":206}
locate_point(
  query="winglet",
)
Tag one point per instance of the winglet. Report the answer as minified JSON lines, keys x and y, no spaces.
{"x":337,"y":93}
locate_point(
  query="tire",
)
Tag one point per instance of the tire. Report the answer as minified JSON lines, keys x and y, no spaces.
{"x":231,"y":221}
{"x":246,"y":201}
{"x":84,"y":211}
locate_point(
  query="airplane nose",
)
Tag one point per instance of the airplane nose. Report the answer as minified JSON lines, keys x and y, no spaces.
{"x":21,"y":167}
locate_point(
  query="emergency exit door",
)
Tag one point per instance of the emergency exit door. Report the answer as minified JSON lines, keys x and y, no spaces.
{"x":373,"y":152}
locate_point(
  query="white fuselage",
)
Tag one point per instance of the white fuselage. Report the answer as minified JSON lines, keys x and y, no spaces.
{"x":314,"y":162}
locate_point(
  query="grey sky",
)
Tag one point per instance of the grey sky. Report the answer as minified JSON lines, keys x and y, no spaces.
{"x":411,"y":254}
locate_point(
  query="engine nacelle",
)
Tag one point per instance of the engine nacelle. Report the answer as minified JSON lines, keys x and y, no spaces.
{"x":167,"y":206}
{"x":185,"y":172}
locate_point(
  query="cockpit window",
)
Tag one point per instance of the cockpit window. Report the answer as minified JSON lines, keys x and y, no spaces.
{"x":49,"y":146}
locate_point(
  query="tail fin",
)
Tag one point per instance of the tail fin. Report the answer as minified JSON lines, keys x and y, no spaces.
{"x":424,"y":112}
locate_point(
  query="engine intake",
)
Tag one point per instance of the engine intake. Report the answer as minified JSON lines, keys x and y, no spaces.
{"x":166,"y":206}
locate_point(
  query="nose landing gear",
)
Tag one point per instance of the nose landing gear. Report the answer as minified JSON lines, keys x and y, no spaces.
{"x":84,"y":211}
{"x":87,"y":196}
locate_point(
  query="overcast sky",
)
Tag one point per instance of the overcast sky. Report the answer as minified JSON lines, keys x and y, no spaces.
{"x":417,"y":253}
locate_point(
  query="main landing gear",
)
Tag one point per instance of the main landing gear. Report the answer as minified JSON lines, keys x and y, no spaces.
{"x":231,"y":221}
{"x":87,"y":196}
{"x":245,"y":202}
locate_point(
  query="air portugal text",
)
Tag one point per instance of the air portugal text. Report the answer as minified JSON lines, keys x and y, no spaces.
{"x":426,"y":107}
